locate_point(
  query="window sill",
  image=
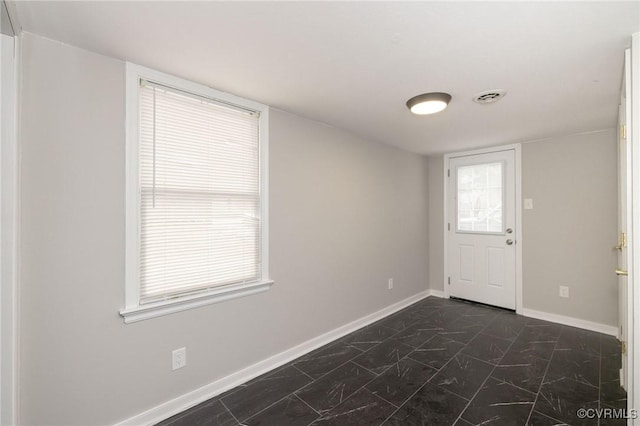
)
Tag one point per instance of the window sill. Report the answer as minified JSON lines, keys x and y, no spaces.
{"x":166,"y":307}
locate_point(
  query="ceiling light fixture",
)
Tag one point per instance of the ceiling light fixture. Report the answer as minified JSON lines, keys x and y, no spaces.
{"x":428,"y":103}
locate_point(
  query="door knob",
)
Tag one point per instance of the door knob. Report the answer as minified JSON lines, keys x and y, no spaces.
{"x":509,"y":230}
{"x":621,"y":272}
{"x":509,"y":242}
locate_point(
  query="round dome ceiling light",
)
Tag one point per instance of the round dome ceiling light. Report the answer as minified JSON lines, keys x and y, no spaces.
{"x":489,"y":97}
{"x":428,"y":103}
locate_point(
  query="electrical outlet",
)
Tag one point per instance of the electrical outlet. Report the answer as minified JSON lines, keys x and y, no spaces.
{"x":390,"y":283}
{"x":179,"y":358}
{"x":564,"y":291}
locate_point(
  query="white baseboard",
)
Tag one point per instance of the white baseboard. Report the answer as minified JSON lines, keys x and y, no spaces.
{"x":559,"y":319}
{"x":570,"y":321}
{"x":436,"y":293}
{"x":191,"y":399}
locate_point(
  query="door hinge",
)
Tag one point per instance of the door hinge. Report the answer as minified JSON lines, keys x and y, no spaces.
{"x":623,"y":242}
{"x":623,"y":348}
{"x":623,"y":131}
{"x":449,"y":280}
{"x":449,"y":226}
{"x":448,"y":172}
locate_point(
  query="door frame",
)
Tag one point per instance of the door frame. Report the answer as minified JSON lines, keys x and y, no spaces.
{"x":625,"y":198}
{"x":633,"y":240}
{"x":518,"y":202}
{"x":9,"y":226}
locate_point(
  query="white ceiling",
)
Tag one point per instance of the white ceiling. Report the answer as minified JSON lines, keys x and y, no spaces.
{"x":355,"y":64}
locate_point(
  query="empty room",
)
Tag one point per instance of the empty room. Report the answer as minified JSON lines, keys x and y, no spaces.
{"x":319,"y":212}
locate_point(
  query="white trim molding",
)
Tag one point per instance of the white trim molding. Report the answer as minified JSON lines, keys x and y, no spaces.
{"x":215,"y":296}
{"x":519,"y":230}
{"x":9,"y":228}
{"x":611,"y":330}
{"x":633,"y":387}
{"x":191,"y":399}
{"x":437,"y":293}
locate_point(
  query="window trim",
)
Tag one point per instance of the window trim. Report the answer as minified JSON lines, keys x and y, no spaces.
{"x":133,"y":310}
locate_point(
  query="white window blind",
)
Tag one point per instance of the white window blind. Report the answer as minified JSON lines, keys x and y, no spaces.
{"x":199,"y":189}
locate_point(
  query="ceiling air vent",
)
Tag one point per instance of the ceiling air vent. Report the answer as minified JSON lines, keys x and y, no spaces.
{"x":489,"y":97}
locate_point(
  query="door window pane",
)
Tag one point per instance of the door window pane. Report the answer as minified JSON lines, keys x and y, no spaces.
{"x":479,"y":197}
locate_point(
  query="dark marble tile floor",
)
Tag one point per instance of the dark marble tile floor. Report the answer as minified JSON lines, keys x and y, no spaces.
{"x":437,"y":362}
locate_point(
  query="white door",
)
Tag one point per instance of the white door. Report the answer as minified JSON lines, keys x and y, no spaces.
{"x":481,"y":228}
{"x":623,"y":214}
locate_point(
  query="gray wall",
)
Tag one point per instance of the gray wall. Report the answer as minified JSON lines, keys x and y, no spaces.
{"x":569,"y":234}
{"x":346,"y":215}
{"x":436,"y":222}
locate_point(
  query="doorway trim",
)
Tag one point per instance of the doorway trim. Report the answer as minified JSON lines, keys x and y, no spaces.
{"x":518,"y":212}
{"x":9,"y":230}
{"x":633,"y":378}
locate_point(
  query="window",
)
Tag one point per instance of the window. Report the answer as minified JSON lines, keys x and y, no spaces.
{"x":196,"y":195}
{"x":480,"y":195}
